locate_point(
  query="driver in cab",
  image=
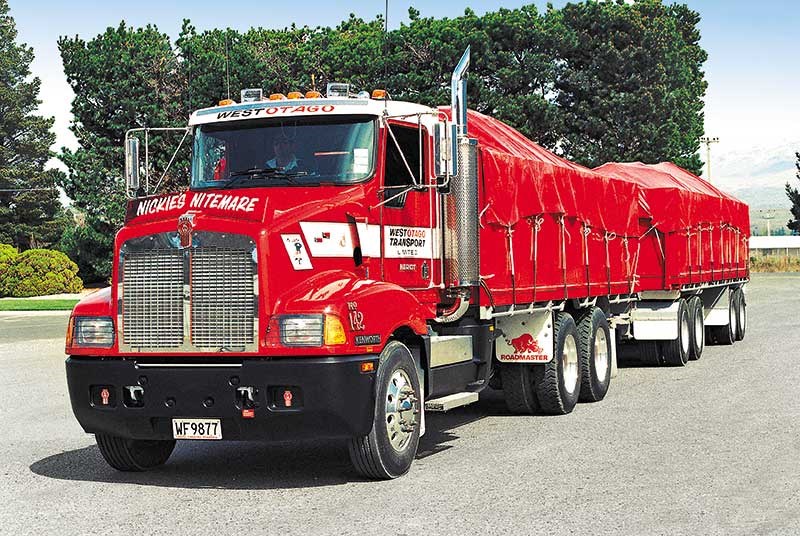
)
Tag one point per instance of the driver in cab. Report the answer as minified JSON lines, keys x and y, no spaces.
{"x":285,"y":159}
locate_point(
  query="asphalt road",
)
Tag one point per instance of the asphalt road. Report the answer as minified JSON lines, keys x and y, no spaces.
{"x":711,"y":448}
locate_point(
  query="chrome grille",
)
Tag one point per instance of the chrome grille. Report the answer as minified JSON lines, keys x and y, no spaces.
{"x":223,"y":303}
{"x":203,"y":298}
{"x":152,"y":302}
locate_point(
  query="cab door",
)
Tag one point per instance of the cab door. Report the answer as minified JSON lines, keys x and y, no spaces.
{"x":409,"y":248}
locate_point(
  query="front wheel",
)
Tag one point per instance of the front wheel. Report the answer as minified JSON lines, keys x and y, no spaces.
{"x":390,"y":447}
{"x":134,"y":454}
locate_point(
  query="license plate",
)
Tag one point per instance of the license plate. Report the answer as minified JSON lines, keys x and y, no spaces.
{"x":196,"y":429}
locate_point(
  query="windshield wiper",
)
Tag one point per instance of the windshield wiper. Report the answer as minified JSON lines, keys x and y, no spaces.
{"x":256,"y":173}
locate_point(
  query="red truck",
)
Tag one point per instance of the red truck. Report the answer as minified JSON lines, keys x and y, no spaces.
{"x":341,"y":265}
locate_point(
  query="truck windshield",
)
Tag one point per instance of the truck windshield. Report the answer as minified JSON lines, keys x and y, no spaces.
{"x":281,"y":152}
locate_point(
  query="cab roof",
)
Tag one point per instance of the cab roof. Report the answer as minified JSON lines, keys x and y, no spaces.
{"x":308,"y":107}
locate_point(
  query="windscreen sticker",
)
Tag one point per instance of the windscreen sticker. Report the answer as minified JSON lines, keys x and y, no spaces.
{"x":297,"y":251}
{"x":360,"y":160}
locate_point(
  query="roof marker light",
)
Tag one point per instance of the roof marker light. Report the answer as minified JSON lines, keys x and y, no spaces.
{"x":379,"y":94}
{"x":313,"y":95}
{"x":295,"y":95}
{"x":226,"y":102}
{"x":277,"y":96}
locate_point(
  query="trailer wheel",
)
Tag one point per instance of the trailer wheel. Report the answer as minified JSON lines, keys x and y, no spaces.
{"x":595,"y":341}
{"x":698,"y":331}
{"x":390,"y":447}
{"x":133,"y":454}
{"x":552,"y":388}
{"x":741,"y":314}
{"x":650,"y":353}
{"x":725,"y":335}
{"x":676,"y":352}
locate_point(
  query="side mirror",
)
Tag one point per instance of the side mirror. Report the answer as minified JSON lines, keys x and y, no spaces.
{"x":132,"y":166}
{"x":445,"y":147}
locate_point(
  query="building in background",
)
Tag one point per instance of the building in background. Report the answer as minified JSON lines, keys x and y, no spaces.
{"x":775,"y":246}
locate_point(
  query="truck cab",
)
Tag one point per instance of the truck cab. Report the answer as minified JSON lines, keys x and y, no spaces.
{"x":288,"y":293}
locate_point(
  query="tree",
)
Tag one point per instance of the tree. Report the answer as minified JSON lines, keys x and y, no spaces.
{"x":794,"y":197}
{"x":30,"y":212}
{"x":123,"y":78}
{"x":593,"y":81}
{"x":630,"y":82}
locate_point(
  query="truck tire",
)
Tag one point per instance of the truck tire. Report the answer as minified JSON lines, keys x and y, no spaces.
{"x":650,"y":353}
{"x":698,"y":330}
{"x":724,"y":335}
{"x":676,"y":352}
{"x":741,"y":314}
{"x":134,"y":454}
{"x":389,"y":449}
{"x":595,"y":341}
{"x":552,"y":388}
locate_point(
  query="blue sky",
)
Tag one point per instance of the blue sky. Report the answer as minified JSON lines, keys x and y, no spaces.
{"x":753,"y":68}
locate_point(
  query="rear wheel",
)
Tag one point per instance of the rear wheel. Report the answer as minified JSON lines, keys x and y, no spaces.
{"x":649,"y":353}
{"x":698,"y":331}
{"x":741,"y":314}
{"x":389,"y":449}
{"x":725,"y":335}
{"x":551,"y":388}
{"x":595,"y":342}
{"x":133,"y":454}
{"x":676,"y":352}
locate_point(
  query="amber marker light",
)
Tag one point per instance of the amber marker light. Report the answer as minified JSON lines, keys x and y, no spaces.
{"x":70,"y":331}
{"x":226,"y":102}
{"x":295,"y":95}
{"x":277,"y":96}
{"x":334,"y":331}
{"x":367,"y":366}
{"x":379,"y":94}
{"x":313,"y":95}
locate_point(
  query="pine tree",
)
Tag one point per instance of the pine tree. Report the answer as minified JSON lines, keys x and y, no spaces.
{"x":794,"y":197}
{"x":30,"y":212}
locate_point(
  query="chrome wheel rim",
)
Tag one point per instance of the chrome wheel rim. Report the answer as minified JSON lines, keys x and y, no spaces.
{"x":401,"y":410}
{"x":732,"y":318}
{"x":601,"y":356}
{"x":569,"y":364}
{"x":699,"y":330}
{"x":742,"y":315}
{"x":685,"y":333}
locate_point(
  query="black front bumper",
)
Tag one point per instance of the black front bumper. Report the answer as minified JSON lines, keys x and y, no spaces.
{"x":331,"y":397}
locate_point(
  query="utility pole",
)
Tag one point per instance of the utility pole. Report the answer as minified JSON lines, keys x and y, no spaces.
{"x":708,"y":141}
{"x":769,"y":216}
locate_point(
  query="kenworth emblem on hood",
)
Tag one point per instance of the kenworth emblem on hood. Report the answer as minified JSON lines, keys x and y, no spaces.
{"x":185,"y":227}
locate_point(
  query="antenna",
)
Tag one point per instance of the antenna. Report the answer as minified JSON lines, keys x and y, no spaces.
{"x":385,"y":52}
{"x":227,"y":66}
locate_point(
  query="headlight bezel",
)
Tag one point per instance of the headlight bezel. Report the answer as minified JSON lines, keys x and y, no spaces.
{"x":301,"y":330}
{"x":93,"y":332}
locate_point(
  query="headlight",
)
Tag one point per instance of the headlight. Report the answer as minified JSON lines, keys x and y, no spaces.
{"x":96,"y":331}
{"x":301,"y":330}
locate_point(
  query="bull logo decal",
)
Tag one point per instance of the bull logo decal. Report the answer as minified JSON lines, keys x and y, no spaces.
{"x":185,"y":227}
{"x":525,"y":344}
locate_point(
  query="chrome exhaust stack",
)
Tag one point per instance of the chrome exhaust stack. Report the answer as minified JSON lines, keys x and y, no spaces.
{"x":461,"y":205}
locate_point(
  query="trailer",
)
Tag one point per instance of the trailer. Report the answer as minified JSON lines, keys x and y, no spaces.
{"x":342,"y":264}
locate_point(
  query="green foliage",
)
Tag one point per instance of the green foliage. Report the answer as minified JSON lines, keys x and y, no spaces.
{"x":7,"y":255}
{"x":30,"y":212}
{"x":794,"y":197}
{"x":630,"y":82}
{"x":91,"y":248}
{"x":39,"y":272}
{"x":593,"y":81}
